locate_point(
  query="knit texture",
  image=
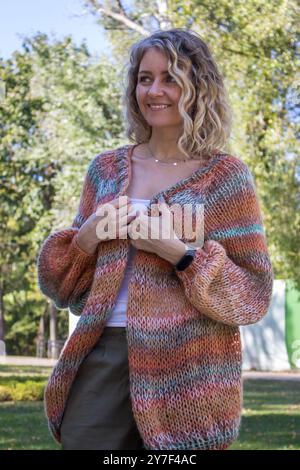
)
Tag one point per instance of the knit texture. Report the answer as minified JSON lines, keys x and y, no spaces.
{"x":184,"y":348}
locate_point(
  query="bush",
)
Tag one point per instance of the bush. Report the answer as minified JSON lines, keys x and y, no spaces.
{"x":5,"y":394}
{"x":26,"y":391}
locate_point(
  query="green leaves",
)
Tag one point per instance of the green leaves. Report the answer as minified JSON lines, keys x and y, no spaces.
{"x":60,"y":109}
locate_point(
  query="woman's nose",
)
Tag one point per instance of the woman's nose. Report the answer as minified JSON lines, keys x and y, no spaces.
{"x":155,"y":89}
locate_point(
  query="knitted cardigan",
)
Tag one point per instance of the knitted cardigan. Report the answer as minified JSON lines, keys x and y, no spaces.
{"x":184,"y":348}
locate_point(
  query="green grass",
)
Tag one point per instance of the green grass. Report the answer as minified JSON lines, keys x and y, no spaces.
{"x":271,"y":415}
{"x":22,"y":383}
{"x":21,"y":371}
{"x":23,"y":426}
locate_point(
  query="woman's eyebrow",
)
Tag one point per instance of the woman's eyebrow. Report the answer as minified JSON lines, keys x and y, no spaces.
{"x":148,"y":71}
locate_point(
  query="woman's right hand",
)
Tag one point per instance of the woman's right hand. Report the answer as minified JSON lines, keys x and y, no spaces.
{"x":90,"y":233}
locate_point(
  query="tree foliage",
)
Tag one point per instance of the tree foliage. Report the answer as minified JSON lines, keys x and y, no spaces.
{"x":60,"y":109}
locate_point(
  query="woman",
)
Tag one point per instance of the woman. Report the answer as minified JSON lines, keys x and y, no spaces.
{"x":155,"y":358}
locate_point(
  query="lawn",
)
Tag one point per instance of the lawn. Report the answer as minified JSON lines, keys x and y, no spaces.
{"x":271,"y":415}
{"x":23,"y":424}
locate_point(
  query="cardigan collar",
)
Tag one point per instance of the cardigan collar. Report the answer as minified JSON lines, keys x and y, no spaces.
{"x":123,"y":156}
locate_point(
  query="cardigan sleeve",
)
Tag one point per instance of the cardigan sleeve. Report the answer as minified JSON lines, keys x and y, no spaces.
{"x":65,"y":271}
{"x":230,"y":279}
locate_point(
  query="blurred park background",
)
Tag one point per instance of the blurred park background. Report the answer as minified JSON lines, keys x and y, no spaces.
{"x":62,"y":74}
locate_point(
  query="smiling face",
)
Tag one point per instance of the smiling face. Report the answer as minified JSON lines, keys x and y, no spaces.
{"x":156,"y":86}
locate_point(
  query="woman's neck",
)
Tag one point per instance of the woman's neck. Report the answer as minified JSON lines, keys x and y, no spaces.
{"x":165,"y":149}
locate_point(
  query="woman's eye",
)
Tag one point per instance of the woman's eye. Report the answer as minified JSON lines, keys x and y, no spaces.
{"x":168,"y":78}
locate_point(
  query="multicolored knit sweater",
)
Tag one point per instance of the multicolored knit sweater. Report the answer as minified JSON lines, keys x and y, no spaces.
{"x":184,"y":348}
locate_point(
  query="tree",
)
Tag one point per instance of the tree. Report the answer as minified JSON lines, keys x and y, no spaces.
{"x":19,"y":114}
{"x":70,"y":111}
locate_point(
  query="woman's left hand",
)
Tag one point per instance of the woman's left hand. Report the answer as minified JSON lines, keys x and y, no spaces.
{"x":157,"y":235}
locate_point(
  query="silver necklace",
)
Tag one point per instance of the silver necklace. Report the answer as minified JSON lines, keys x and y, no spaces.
{"x":165,"y":163}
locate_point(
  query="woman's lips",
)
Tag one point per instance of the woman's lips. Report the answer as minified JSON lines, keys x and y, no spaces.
{"x":158,"y":109}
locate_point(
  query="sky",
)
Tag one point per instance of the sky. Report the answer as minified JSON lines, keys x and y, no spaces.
{"x":57,"y":18}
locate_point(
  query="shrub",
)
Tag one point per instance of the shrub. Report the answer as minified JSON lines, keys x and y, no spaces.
{"x":26,"y":391}
{"x":5,"y":394}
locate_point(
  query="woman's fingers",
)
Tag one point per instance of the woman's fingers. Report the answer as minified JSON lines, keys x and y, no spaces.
{"x":118,"y":216}
{"x":123,"y":232}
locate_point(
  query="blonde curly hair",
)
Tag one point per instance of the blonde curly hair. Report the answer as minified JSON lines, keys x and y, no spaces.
{"x":203,"y":105}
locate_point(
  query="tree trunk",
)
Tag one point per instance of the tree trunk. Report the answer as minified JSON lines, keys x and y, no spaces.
{"x":53,"y":352}
{"x":41,"y":340}
{"x":2,"y":322}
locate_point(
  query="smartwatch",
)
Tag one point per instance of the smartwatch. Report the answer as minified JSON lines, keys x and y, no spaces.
{"x":187,"y":258}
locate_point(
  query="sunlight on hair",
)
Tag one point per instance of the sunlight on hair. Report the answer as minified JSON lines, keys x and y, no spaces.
{"x":204,"y":104}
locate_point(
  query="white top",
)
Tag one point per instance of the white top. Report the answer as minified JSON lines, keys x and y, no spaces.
{"x":117,"y":316}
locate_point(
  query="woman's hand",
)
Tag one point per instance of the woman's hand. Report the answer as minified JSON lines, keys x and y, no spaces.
{"x":109,"y":221}
{"x":157,"y":235}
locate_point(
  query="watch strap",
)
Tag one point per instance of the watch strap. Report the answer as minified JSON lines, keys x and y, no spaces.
{"x":186,"y":259}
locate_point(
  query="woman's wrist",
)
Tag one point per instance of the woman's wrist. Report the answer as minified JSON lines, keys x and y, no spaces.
{"x":84,"y":246}
{"x":176,"y":253}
